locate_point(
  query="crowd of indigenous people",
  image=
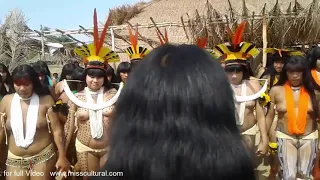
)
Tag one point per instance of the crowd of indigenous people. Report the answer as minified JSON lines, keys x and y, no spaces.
{"x":176,"y":112}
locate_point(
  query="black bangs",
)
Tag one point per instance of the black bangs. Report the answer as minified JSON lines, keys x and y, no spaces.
{"x":294,"y":66}
{"x":20,"y":75}
{"x":124,"y":67}
{"x":233,"y":66}
{"x":94,"y":72}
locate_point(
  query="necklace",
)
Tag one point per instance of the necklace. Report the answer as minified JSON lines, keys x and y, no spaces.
{"x":295,"y":88}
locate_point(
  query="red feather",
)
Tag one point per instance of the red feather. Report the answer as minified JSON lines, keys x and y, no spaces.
{"x":202,"y":42}
{"x":95,"y":29}
{"x":103,"y":35}
{"x":134,"y":38}
{"x":229,"y":32}
{"x":160,"y":39}
{"x":166,"y":39}
{"x":237,"y":37}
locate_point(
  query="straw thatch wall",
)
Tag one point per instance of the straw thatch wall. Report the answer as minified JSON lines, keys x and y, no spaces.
{"x":290,"y":22}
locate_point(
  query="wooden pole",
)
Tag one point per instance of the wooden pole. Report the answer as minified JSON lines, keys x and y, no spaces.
{"x":265,"y":45}
{"x":113,"y":46}
{"x":42,"y":43}
{"x":265,"y":41}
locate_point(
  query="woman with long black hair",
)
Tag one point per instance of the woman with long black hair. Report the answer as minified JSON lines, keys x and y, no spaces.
{"x":35,"y":138}
{"x":294,"y":100}
{"x":123,"y":71}
{"x":276,"y":60}
{"x":171,"y":123}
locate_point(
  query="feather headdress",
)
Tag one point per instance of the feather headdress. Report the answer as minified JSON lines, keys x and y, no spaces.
{"x":96,"y":52}
{"x":280,"y":53}
{"x":135,"y":52}
{"x":236,"y":49}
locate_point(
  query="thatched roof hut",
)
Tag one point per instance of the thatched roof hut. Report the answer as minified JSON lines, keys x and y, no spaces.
{"x":290,"y":22}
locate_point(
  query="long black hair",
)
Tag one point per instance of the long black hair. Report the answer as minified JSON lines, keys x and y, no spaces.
{"x":171,"y":123}
{"x":44,"y":67}
{"x":41,"y":71}
{"x":8,"y":81}
{"x":312,"y":56}
{"x":77,"y":75}
{"x":123,"y":67}
{"x":300,"y":63}
{"x":22,"y":71}
{"x":67,"y":70}
{"x":3,"y":90}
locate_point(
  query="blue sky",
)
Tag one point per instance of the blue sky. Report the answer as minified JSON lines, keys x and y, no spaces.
{"x":63,"y":14}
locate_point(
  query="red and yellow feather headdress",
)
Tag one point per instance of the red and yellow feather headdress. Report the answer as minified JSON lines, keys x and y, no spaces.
{"x":135,"y":52}
{"x":236,"y":50}
{"x":96,"y":52}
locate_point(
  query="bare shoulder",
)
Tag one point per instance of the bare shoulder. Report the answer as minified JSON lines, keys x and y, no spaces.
{"x":47,"y":100}
{"x":7,"y":98}
{"x":254,"y":84}
{"x":58,"y":87}
{"x":276,"y":89}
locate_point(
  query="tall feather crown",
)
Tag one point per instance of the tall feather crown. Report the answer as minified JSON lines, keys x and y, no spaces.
{"x":96,"y":52}
{"x":236,"y":50}
{"x":135,"y":52}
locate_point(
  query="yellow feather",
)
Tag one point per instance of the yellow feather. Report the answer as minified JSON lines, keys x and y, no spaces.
{"x":223,"y":48}
{"x":85,"y":49}
{"x":104,"y":51}
{"x":80,"y":53}
{"x":253,"y":52}
{"x":92,"y":49}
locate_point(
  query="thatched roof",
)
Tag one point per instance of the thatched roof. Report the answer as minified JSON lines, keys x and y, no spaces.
{"x":172,"y":10}
{"x":204,"y":15}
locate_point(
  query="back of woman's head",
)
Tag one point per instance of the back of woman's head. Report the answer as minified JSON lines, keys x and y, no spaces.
{"x":44,"y":67}
{"x":76,"y":77}
{"x":67,"y":70}
{"x":312,"y":56}
{"x":41,"y":73}
{"x":171,"y":123}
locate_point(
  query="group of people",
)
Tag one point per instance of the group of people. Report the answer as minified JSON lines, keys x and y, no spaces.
{"x":181,"y":113}
{"x":277,"y":113}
